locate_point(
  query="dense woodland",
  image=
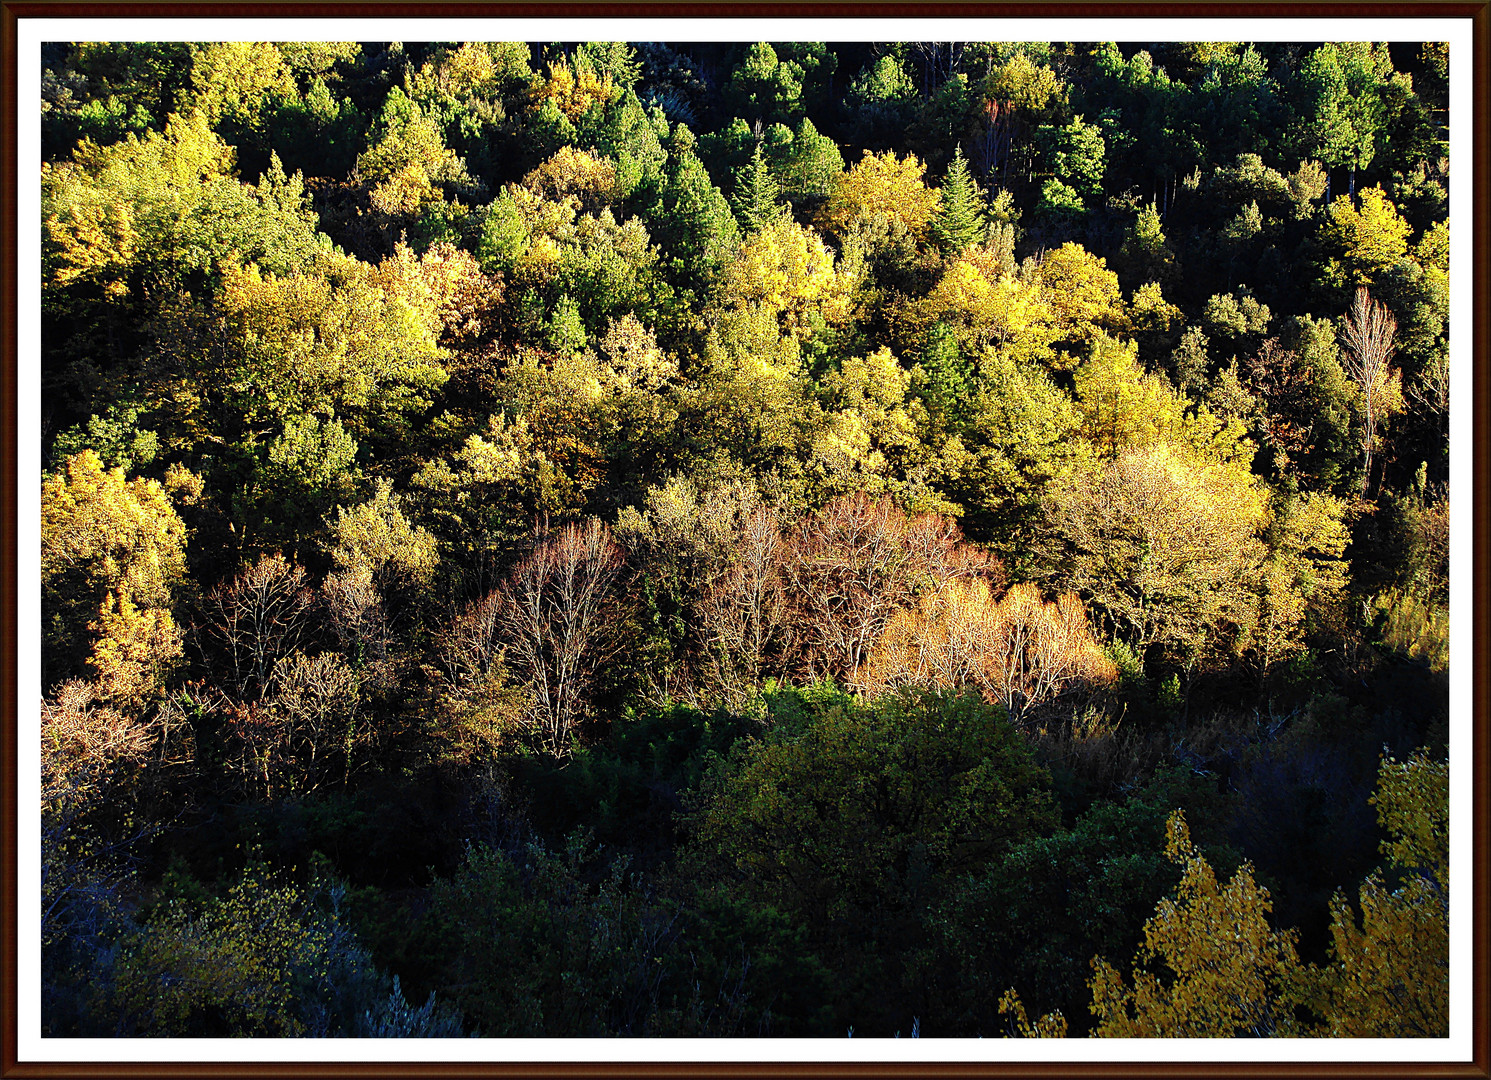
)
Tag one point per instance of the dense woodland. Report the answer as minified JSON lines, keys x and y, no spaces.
{"x":942,"y":538}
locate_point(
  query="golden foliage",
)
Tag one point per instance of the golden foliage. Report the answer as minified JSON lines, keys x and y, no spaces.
{"x":134,"y":649}
{"x":243,"y":961}
{"x":1051,"y":1026}
{"x":1390,"y":976}
{"x":882,"y":184}
{"x":120,"y":534}
{"x":1362,"y":243}
{"x":786,"y":268}
{"x":1082,"y":292}
{"x":1018,"y":650}
{"x":578,"y":173}
{"x":1230,"y":973}
{"x":574,"y":90}
{"x":1166,"y":544}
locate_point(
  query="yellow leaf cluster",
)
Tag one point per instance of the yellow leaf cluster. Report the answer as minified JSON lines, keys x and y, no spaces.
{"x":574,"y":90}
{"x":786,"y":268}
{"x":590,"y":179}
{"x":882,"y":184}
{"x":1228,"y":969}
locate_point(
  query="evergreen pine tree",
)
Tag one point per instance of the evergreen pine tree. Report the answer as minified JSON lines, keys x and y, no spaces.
{"x":961,"y":221}
{"x":755,"y":197}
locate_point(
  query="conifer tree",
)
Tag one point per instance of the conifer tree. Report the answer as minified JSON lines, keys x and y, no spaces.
{"x":756,"y":192}
{"x":960,"y":223}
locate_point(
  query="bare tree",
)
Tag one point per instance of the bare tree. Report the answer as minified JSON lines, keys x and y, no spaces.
{"x":744,"y":613}
{"x":359,"y":618}
{"x":259,"y":617}
{"x":857,"y":562}
{"x":1367,"y":338}
{"x":558,"y":613}
{"x":1429,"y":395}
{"x":315,"y":698}
{"x":468,"y":650}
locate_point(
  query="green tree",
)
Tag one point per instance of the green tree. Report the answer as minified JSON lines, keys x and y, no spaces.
{"x":961,"y":217}
{"x":756,"y":193}
{"x":765,"y":88}
{"x":692,"y":223}
{"x":1341,"y":103}
{"x":809,"y":166}
{"x":1075,"y":152}
{"x":854,"y":817}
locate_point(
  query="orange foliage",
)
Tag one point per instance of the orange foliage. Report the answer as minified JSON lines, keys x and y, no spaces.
{"x":1018,"y":651}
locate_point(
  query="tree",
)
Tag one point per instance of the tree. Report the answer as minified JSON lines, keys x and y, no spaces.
{"x":111,"y":549}
{"x":1035,"y":917}
{"x":851,"y":817}
{"x":558,"y":614}
{"x":1367,"y":339}
{"x":315,"y":699}
{"x":854,"y":564}
{"x":1232,"y":974}
{"x":882,"y":184}
{"x":692,"y":222}
{"x":265,"y":960}
{"x":378,"y":536}
{"x":961,"y":216}
{"x":764,"y":88}
{"x":1082,"y":292}
{"x":590,"y":179}
{"x":755,"y":196}
{"x":786,"y":270}
{"x":1343,"y":110}
{"x":1165,"y":545}
{"x":1018,"y":651}
{"x":809,"y":166}
{"x":1361,"y":244}
{"x":258,"y":618}
{"x":745,"y":614}
{"x":1389,"y":975}
{"x":1145,"y":254}
{"x":1075,"y":153}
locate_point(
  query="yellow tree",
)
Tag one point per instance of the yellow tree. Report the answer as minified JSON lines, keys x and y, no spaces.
{"x":1082,"y":292}
{"x":1389,"y":977}
{"x":1304,"y":574}
{"x":1166,"y":543}
{"x":869,"y":441}
{"x":590,"y":179}
{"x":1360,"y":244}
{"x":1230,"y":973}
{"x":882,"y":184}
{"x":786,"y":268}
{"x":986,"y":307}
{"x":112,"y":551}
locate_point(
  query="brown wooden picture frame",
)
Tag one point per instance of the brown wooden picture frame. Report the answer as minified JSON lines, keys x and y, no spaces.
{"x":16,"y":564}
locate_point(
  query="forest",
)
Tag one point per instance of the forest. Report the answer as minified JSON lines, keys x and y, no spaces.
{"x":914,"y":539}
